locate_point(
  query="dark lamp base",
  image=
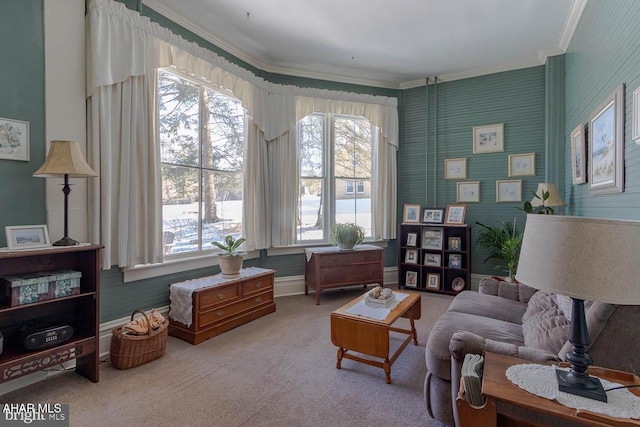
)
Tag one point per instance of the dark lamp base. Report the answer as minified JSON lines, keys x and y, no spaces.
{"x":66,"y":241}
{"x":585,"y":386}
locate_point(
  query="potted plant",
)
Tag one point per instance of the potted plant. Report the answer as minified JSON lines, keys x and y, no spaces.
{"x":347,"y":235}
{"x":230,"y":260}
{"x":505,"y":242}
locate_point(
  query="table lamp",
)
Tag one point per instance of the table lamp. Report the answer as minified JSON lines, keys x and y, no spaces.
{"x":588,"y":259}
{"x":554,"y":199}
{"x":65,"y":159}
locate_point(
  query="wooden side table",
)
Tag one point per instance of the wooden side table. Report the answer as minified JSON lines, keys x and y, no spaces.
{"x":331,"y":267}
{"x":509,"y":405}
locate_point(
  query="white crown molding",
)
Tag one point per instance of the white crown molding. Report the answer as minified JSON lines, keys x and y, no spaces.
{"x":475,"y":73}
{"x":570,"y":25}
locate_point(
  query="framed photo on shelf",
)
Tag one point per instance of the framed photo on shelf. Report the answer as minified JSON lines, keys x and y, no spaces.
{"x":411,"y":256}
{"x":455,"y":244}
{"x":432,"y":216}
{"x":433,"y":281}
{"x":578,"y":153}
{"x":468,"y":191}
{"x":488,"y":139}
{"x":412,"y":238}
{"x":27,"y":236}
{"x":432,"y":238}
{"x":433,"y":260}
{"x":455,"y":260}
{"x":522,"y":164}
{"x":455,"y":168}
{"x":14,"y":139}
{"x":455,"y":214}
{"x":606,"y":145}
{"x":411,"y":279}
{"x":509,"y":191}
{"x":411,"y":214}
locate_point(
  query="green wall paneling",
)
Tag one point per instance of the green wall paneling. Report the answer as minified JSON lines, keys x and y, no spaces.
{"x":514,"y":98}
{"x":604,"y":53}
{"x":22,"y":98}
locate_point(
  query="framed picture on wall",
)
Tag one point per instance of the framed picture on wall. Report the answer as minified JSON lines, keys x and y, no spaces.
{"x":488,"y":139}
{"x":578,"y":153}
{"x":468,"y":191}
{"x":455,"y":168}
{"x":606,"y":145}
{"x":509,"y":191}
{"x":14,"y":139}
{"x":522,"y":164}
{"x":636,"y":116}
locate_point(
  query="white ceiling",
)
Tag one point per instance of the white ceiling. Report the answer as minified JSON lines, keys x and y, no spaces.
{"x":386,"y":43}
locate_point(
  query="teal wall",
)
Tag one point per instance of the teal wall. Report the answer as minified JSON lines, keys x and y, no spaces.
{"x":514,"y":98}
{"x":604,"y":52}
{"x":22,"y":98}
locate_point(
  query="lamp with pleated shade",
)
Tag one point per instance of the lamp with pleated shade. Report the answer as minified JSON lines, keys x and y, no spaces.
{"x":65,"y":159}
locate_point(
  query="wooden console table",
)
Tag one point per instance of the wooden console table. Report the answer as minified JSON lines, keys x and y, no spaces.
{"x":217,"y":304}
{"x":332,"y":267}
{"x":509,"y":405}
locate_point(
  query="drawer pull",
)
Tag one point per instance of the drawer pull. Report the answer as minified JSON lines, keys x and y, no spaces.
{"x":259,"y":284}
{"x":220,"y":296}
{"x":258,"y":299}
{"x":220,"y":313}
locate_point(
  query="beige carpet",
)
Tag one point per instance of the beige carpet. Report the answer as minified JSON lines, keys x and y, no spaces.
{"x":278,"y":370}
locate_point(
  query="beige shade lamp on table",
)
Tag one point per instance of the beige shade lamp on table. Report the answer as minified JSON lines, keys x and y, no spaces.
{"x":65,"y":159}
{"x":542,"y":205}
{"x":587,"y":259}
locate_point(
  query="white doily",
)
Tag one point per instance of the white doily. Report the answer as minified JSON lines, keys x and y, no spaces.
{"x":376,"y":313}
{"x":541,"y":380}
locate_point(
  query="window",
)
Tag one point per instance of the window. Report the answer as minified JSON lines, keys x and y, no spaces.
{"x":202,"y":134}
{"x":335,"y":155}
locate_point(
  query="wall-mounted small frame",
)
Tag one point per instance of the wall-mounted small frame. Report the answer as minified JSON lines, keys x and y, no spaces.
{"x":27,"y":236}
{"x":468,"y":192}
{"x":606,"y":145}
{"x":522,"y":164}
{"x":488,"y":139}
{"x":14,"y":139}
{"x":636,"y":116}
{"x":509,"y":190}
{"x":455,"y":168}
{"x":578,"y":155}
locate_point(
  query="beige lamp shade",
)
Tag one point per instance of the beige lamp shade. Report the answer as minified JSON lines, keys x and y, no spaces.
{"x":591,"y":259}
{"x":65,"y":158}
{"x":554,"y":198}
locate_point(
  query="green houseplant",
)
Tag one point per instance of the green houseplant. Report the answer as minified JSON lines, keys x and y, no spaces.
{"x":504,"y":242}
{"x":230,"y":259}
{"x":347,"y":235}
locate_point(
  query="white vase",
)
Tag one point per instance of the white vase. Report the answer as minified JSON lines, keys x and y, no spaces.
{"x":230,"y":266}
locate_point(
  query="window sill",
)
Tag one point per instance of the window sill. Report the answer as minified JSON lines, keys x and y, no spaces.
{"x":299,"y":249}
{"x":175,"y":265}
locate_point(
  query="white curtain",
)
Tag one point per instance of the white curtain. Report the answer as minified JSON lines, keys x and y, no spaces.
{"x":283,"y":182}
{"x":123,"y":48}
{"x":125,"y":205}
{"x":384,"y":186}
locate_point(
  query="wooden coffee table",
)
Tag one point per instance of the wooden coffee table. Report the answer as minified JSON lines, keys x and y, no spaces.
{"x":370,"y":337}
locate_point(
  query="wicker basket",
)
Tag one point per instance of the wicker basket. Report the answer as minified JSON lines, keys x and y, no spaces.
{"x":128,"y":351}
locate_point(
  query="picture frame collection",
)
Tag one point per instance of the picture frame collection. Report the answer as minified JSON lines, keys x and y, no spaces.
{"x":453,"y":214}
